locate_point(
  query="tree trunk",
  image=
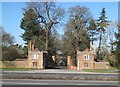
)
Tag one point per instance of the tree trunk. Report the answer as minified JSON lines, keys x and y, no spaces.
{"x":99,"y":48}
{"x":47,"y":40}
{"x":47,"y":36}
{"x":92,"y":39}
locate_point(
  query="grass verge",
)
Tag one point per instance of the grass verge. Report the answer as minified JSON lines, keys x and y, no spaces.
{"x":111,"y":70}
{"x":60,"y":78}
{"x":18,"y":69}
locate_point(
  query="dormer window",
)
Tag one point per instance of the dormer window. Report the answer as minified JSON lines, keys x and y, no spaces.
{"x":35,"y":55}
{"x":86,"y":57}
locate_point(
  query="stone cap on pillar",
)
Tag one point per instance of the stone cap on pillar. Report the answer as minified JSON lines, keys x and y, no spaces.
{"x":44,"y":51}
{"x":53,"y":57}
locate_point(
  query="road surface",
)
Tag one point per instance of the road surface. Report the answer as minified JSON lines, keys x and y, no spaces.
{"x":56,"y":82}
{"x":59,"y":74}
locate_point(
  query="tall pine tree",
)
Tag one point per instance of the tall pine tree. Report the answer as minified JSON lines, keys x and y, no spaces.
{"x":101,"y":24}
{"x":117,"y":49}
{"x":30,"y":24}
{"x":92,"y":30}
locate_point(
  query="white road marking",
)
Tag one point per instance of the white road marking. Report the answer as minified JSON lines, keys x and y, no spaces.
{"x":57,"y":82}
{"x":23,"y":83}
{"x":96,"y":84}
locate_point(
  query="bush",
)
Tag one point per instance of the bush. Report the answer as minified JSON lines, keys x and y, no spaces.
{"x":9,"y":54}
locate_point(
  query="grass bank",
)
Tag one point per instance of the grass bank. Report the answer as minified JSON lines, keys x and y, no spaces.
{"x":111,"y":70}
{"x":48,"y":77}
{"x":18,"y":69}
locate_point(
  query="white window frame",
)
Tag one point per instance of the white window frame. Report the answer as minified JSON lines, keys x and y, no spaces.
{"x":86,"y":57}
{"x":35,"y":56}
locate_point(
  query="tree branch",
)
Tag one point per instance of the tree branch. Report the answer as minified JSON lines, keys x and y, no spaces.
{"x":47,"y":11}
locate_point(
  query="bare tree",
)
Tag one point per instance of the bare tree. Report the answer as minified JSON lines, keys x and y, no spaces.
{"x":49,"y":15}
{"x":110,"y":33}
{"x":75,"y":36}
{"x":79,"y":17}
{"x":7,"y":39}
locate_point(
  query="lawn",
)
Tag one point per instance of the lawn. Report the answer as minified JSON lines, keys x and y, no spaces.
{"x":111,"y":70}
{"x":18,"y":69}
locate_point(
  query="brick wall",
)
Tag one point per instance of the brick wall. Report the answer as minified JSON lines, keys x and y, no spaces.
{"x":73,"y":67}
{"x":101,"y":65}
{"x":14,"y":64}
{"x":69,"y":62}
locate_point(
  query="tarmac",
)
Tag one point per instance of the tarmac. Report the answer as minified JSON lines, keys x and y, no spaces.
{"x":56,"y":71}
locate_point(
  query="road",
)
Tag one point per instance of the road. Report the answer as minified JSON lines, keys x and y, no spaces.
{"x":62,"y":75}
{"x":59,"y":74}
{"x":56,"y":82}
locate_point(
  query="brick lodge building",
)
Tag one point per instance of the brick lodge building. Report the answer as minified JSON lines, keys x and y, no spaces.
{"x":38,"y":59}
{"x":85,"y":60}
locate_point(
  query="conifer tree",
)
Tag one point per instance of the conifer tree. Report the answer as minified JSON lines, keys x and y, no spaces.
{"x":117,"y":49}
{"x":92,"y":30}
{"x":102,"y":23}
{"x":30,"y":24}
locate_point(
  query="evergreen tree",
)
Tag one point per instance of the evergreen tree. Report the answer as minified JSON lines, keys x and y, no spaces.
{"x":102,"y":23}
{"x":29,"y":24}
{"x":92,"y":30}
{"x":117,"y":49}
